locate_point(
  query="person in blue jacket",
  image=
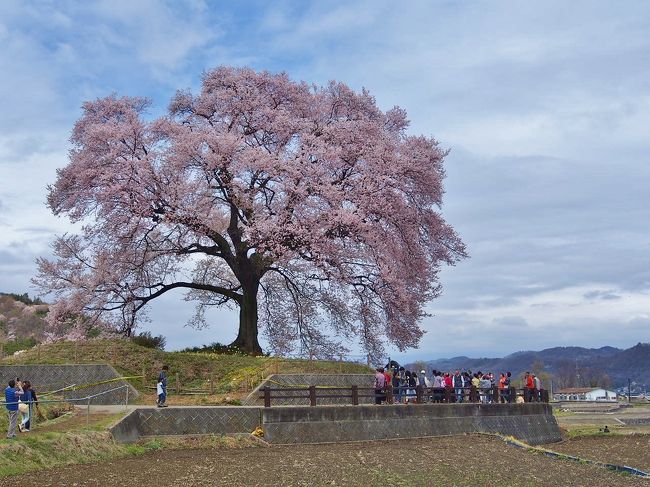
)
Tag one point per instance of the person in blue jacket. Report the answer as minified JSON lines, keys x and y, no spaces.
{"x":11,"y":403}
{"x":30,"y":399}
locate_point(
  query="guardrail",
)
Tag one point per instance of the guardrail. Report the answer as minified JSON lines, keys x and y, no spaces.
{"x":391,"y":395}
{"x":87,"y":400}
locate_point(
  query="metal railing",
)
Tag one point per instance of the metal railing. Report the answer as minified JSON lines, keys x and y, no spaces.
{"x":87,"y":400}
{"x":392,"y":395}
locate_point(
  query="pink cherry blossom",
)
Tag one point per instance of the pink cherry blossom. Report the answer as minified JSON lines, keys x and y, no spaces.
{"x":307,"y":208}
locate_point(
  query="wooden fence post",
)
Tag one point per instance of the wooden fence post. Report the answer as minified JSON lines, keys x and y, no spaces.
{"x":495,"y":394}
{"x":473,"y":394}
{"x":178,"y":384}
{"x":312,"y":395}
{"x":447,"y":394}
{"x":211,"y":387}
{"x":267,"y":397}
{"x":355,"y":395}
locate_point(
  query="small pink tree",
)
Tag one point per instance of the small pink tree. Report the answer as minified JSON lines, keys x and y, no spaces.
{"x":306,"y":207}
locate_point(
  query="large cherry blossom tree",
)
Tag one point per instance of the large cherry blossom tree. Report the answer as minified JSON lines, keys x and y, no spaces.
{"x":307,"y":208}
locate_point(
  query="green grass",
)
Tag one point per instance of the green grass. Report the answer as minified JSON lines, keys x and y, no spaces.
{"x":28,"y":453}
{"x":50,"y":414}
{"x":226,"y":372}
{"x":594,"y":430}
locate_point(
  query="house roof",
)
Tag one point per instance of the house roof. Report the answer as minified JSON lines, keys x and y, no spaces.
{"x":577,"y":390}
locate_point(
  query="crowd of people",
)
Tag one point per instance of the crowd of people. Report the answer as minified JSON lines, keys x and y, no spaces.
{"x":401,"y":386}
{"x":20,"y":400}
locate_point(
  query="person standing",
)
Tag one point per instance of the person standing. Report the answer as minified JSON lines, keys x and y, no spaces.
{"x":529,"y":387}
{"x":161,"y":387}
{"x":387,"y":384}
{"x":537,"y":390}
{"x":11,"y":399}
{"x":30,"y":400}
{"x":413,"y":383}
{"x":475,"y":386}
{"x":425,"y":385}
{"x":395,"y":384}
{"x":380,"y":383}
{"x":457,"y":381}
{"x":507,"y":384}
{"x":502,"y":387}
{"x":438,"y":386}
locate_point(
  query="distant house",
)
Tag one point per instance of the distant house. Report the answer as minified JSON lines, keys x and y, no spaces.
{"x":584,"y":394}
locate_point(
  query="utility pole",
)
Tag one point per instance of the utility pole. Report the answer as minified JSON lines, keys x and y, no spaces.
{"x":629,"y":391}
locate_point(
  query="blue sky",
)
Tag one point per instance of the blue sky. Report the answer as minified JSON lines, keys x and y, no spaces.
{"x":546,"y":110}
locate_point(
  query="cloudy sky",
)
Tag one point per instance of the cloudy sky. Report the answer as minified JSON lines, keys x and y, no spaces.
{"x":546,"y":111}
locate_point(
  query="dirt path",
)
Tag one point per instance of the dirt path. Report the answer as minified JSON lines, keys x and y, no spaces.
{"x":459,"y":461}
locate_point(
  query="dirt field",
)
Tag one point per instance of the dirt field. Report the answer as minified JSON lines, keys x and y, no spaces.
{"x":630,"y":450}
{"x":458,"y":461}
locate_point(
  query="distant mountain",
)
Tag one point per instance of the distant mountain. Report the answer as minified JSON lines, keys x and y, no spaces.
{"x":568,"y":366}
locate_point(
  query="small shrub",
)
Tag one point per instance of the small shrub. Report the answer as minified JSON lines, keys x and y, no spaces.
{"x":12,"y":346}
{"x":153,"y":445}
{"x":216,"y":347}
{"x":147,"y":340}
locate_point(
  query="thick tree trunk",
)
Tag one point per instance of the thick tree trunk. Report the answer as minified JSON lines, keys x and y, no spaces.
{"x":247,"y":337}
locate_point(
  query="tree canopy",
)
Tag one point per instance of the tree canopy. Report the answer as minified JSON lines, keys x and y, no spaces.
{"x":307,"y":208}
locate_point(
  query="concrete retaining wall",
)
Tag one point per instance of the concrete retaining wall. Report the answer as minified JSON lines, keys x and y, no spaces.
{"x":277,"y":381}
{"x":187,"y":421}
{"x":533,"y":423}
{"x":54,"y":377}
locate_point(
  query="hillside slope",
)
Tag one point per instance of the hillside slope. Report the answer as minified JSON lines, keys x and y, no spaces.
{"x":21,"y":319}
{"x":227,"y":372}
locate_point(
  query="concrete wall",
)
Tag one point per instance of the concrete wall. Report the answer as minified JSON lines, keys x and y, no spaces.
{"x":54,"y":377}
{"x":198,"y":420}
{"x":532,"y":422}
{"x":304,"y":380}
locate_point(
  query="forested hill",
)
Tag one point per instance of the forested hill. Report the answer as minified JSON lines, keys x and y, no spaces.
{"x":569,"y":366}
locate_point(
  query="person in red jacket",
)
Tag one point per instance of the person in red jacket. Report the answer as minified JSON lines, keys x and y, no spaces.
{"x":529,"y":388}
{"x":387,"y":383}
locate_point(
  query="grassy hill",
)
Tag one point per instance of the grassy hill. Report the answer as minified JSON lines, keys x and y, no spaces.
{"x":228,"y":373}
{"x":22,"y":326}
